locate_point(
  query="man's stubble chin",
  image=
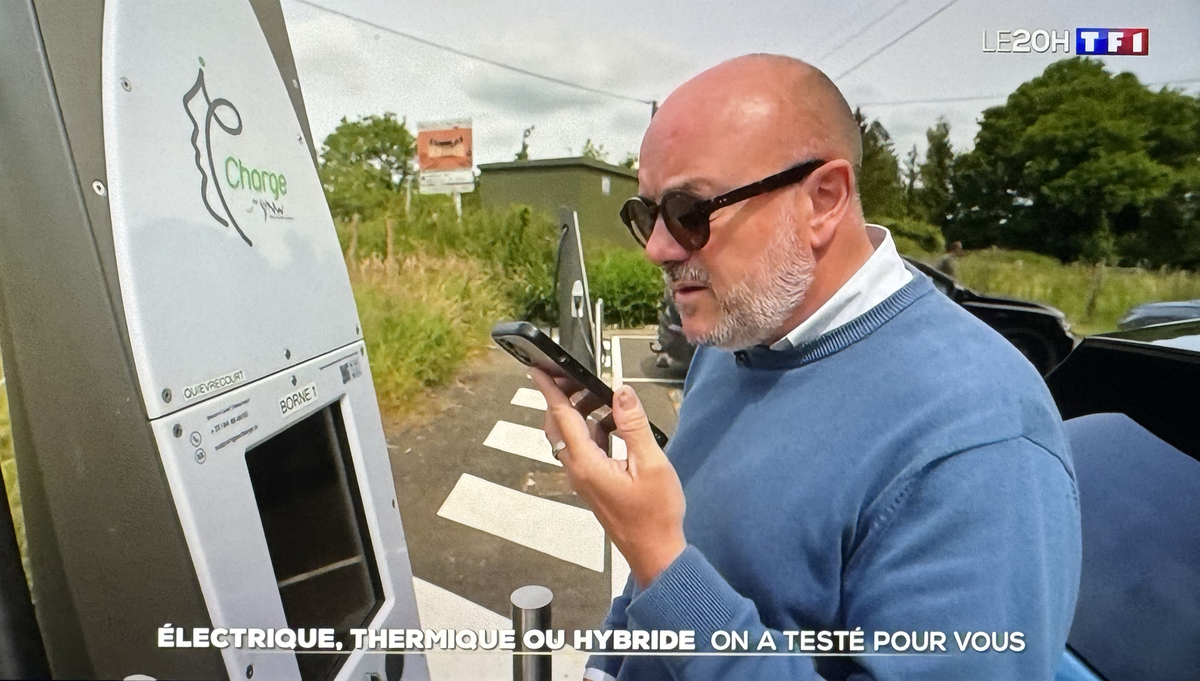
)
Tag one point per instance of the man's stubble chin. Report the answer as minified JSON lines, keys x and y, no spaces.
{"x":752,"y":310}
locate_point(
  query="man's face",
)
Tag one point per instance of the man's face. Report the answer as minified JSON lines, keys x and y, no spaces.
{"x":740,"y":288}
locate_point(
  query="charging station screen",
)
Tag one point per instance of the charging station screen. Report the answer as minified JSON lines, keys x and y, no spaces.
{"x":312,"y":515}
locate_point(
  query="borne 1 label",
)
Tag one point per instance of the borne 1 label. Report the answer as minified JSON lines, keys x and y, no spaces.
{"x":296,"y":400}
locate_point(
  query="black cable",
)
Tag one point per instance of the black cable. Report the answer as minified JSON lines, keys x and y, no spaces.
{"x":897,"y":39}
{"x":485,"y":60}
{"x":864,"y":29}
{"x":946,"y":100}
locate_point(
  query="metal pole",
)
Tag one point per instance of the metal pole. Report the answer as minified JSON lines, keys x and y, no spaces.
{"x":531,"y":610}
{"x":598,"y":345}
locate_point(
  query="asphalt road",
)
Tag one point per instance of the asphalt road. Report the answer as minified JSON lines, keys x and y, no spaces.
{"x":487,"y":510}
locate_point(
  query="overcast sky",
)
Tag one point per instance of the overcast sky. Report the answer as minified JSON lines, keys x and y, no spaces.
{"x":643,"y":49}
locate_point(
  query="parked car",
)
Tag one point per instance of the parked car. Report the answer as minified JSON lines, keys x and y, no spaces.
{"x":1159,"y":313}
{"x":1040,"y":332}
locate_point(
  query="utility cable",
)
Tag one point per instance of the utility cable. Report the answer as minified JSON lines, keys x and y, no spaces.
{"x":949,"y":100}
{"x":895,"y":40}
{"x":864,"y":29}
{"x":485,"y":60}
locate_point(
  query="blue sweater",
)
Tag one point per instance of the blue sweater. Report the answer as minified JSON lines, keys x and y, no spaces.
{"x":905,"y":472}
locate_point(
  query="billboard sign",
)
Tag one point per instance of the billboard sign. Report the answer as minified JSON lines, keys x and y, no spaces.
{"x":445,"y":157}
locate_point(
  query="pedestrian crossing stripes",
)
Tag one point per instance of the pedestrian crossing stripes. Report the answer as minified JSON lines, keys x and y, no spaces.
{"x":521,"y":440}
{"x":560,"y":530}
{"x":443,"y":609}
{"x":528,"y":397}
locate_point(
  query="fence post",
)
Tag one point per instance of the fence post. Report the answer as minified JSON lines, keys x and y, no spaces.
{"x":353,"y":248}
{"x":531,"y":610}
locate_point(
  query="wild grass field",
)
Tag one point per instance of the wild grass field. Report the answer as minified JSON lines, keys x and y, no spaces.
{"x":1093,"y":297}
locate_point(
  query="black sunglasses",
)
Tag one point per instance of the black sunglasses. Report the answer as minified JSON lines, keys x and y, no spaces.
{"x":686,"y":216}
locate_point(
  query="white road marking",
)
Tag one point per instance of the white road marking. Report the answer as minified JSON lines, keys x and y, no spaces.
{"x":617,"y":448}
{"x":618,"y":372}
{"x":442,"y":609}
{"x":560,"y":530}
{"x":521,"y":440}
{"x":528,"y":397}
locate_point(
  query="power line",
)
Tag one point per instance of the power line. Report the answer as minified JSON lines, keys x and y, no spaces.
{"x":897,"y":39}
{"x":944,"y":100}
{"x":485,"y":60}
{"x":950,"y":100}
{"x":864,"y":29}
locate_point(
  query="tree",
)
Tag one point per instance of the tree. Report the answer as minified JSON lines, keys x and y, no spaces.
{"x":630,"y":161}
{"x":911,"y":175}
{"x":1079,"y":163}
{"x":879,"y":184}
{"x":365,"y":164}
{"x":594,"y":151}
{"x":523,"y":154}
{"x":933,"y":197}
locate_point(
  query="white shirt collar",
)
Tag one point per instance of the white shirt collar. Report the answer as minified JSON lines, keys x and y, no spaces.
{"x":880,"y":276}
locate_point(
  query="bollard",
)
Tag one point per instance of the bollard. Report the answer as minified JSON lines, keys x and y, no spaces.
{"x":531,"y":610}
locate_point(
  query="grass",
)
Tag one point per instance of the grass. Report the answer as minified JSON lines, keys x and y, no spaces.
{"x":422,"y":318}
{"x":1092,"y":297}
{"x":8,"y":464}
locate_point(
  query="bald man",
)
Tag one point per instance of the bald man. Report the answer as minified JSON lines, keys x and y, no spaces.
{"x":854,"y":450}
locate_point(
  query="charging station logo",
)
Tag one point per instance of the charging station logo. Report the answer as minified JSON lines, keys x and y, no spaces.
{"x":203,"y":111}
{"x":1117,"y":41}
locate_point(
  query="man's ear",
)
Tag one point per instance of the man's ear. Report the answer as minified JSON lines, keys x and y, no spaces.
{"x":831,"y":190}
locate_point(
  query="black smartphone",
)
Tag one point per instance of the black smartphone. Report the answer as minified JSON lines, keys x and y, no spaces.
{"x":533,"y":348}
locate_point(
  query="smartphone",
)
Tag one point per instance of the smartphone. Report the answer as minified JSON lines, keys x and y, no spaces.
{"x":533,"y":348}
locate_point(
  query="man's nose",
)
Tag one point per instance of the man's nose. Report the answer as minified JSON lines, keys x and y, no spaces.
{"x":662,"y":248}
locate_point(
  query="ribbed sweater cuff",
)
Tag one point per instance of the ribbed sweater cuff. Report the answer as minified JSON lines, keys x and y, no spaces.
{"x":689,"y":595}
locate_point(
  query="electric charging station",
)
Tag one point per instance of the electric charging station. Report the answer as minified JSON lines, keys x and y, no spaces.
{"x":196,"y":430}
{"x":576,"y":318}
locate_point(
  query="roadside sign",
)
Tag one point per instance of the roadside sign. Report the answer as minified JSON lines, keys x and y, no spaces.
{"x":445,"y":157}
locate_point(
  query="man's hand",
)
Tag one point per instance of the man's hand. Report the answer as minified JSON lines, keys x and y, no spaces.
{"x":638,"y":501}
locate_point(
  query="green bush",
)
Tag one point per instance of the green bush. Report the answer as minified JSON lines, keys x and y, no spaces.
{"x":914,"y":237}
{"x":630,"y":285}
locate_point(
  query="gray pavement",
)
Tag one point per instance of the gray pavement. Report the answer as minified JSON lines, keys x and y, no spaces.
{"x":486,"y":510}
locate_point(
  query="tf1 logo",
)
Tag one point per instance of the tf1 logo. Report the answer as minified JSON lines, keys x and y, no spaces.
{"x":1088,"y":41}
{"x":1131,"y":41}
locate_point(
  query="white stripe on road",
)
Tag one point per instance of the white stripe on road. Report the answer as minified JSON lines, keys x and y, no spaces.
{"x":617,"y":448}
{"x":442,"y":609}
{"x":618,"y":371}
{"x":528,"y":397}
{"x":560,"y":530}
{"x":521,"y":440}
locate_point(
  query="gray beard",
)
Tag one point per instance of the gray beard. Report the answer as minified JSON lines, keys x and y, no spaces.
{"x":752,"y":310}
